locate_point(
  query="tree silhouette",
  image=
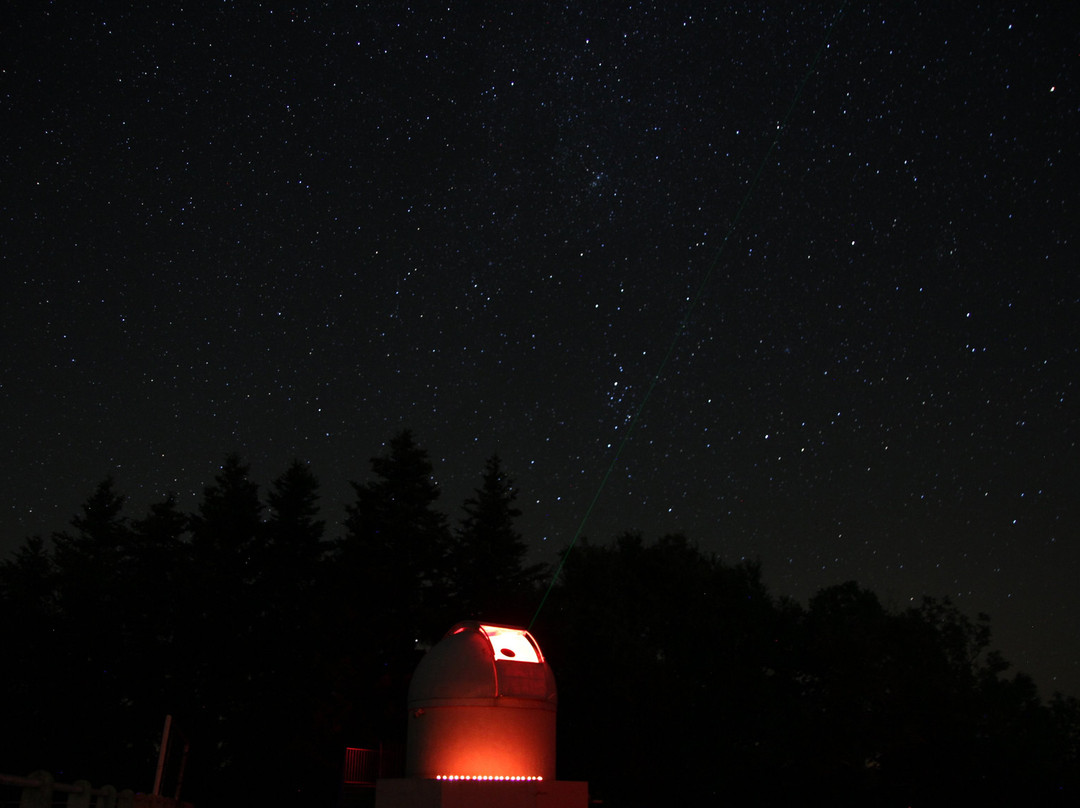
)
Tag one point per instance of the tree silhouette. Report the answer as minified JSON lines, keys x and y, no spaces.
{"x":223,"y":624}
{"x":29,"y":613}
{"x":98,"y":634}
{"x":396,"y":543}
{"x":392,"y":579}
{"x":294,"y":549}
{"x":294,"y":532}
{"x":226,"y":531}
{"x":271,"y":653}
{"x":93,"y":559}
{"x":28,"y":586}
{"x":288,"y":666}
{"x":159,"y":590}
{"x":660,"y":653}
{"x":491,"y":581}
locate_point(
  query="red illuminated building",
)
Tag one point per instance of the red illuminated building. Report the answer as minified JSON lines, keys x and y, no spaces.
{"x":481,"y":727}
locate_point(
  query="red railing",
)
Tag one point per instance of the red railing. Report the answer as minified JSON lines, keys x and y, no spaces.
{"x":362,"y":766}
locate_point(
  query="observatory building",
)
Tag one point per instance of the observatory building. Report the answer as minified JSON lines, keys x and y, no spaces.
{"x":481,"y":726}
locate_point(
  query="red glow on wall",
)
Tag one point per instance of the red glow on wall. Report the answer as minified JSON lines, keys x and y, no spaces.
{"x":482,"y":707}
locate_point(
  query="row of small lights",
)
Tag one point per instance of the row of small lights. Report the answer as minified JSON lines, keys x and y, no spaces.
{"x":503,"y":777}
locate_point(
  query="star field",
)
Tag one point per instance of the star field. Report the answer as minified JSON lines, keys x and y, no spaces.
{"x":290,"y":232}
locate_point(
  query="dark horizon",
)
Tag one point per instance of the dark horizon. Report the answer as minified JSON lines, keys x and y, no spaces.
{"x":274,"y":649}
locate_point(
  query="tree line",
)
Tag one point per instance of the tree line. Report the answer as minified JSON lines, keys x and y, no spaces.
{"x":681,"y":677}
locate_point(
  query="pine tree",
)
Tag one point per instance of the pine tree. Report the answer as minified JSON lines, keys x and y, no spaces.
{"x":397,"y":542}
{"x":293,"y":532}
{"x":290,"y":670}
{"x":160,"y":581}
{"x":222,"y":622}
{"x":89,"y":560}
{"x":30,"y":677}
{"x":27,"y":583}
{"x":98,"y":635}
{"x":93,"y":566}
{"x":491,"y":580}
{"x":226,"y":533}
{"x":391,"y":580}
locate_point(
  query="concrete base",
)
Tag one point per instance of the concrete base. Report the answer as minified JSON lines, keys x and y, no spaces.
{"x":417,"y":793}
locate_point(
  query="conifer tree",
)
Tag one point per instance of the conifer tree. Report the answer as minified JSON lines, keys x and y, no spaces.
{"x":222,"y":624}
{"x":391,"y":582}
{"x":90,"y":559}
{"x":158,"y":588}
{"x":290,"y":670}
{"x":396,"y":542}
{"x":29,"y":673}
{"x":293,"y":532}
{"x":226,"y":532}
{"x":491,"y":580}
{"x":98,"y":631}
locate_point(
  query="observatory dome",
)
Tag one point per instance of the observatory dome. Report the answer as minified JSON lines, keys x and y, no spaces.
{"x":482,"y":705}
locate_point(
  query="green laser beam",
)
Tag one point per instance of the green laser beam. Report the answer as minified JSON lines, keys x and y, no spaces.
{"x":689,"y":310}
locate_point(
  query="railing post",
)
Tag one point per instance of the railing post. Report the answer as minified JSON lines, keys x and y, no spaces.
{"x":79,"y":796}
{"x":39,"y":796}
{"x":125,"y":799}
{"x":107,"y":797}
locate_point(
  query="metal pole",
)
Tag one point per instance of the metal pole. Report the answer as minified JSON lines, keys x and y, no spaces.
{"x":161,"y":755}
{"x":183,"y":765}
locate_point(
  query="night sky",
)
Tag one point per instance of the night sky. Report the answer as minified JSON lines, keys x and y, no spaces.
{"x":291,"y":232}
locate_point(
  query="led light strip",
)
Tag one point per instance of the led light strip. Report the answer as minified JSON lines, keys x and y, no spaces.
{"x":492,"y":777}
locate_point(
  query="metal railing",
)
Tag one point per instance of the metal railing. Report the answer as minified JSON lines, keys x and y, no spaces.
{"x":40,"y":790}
